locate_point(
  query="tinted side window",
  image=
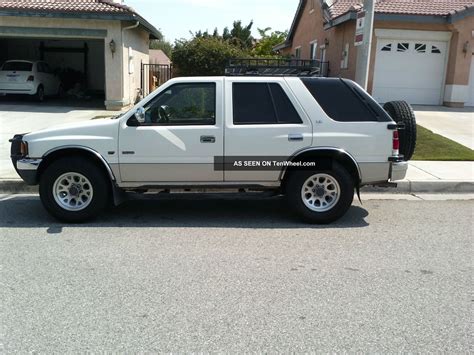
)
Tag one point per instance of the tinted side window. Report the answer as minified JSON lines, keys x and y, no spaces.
{"x":340,"y":101}
{"x":262,"y":103}
{"x":285,"y":110}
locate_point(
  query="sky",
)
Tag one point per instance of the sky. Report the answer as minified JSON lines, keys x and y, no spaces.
{"x":175,"y":18}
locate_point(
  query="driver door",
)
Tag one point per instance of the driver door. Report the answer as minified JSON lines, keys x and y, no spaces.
{"x":182,"y":133}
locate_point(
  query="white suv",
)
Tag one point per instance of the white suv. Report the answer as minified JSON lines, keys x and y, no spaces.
{"x":29,"y":78}
{"x":314,"y":140}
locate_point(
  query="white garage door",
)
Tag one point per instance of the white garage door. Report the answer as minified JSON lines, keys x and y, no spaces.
{"x":470,"y":99}
{"x":409,"y":70}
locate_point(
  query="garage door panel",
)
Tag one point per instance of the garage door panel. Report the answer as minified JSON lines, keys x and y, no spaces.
{"x":409,"y":70}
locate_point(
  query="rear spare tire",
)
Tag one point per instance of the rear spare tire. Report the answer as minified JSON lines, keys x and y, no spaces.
{"x":402,"y":112}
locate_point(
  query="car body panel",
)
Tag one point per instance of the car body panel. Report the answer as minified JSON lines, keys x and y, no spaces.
{"x":175,"y":156}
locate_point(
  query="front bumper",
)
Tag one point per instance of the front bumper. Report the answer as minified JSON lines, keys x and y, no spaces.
{"x":27,"y":168}
{"x":398,"y":170}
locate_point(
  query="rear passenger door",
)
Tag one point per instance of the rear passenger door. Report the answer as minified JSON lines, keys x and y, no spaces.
{"x":263,"y":120}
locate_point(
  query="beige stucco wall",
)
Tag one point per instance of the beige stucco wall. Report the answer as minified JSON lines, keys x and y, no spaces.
{"x":459,"y":62}
{"x":138,"y":40}
{"x":120,"y":86}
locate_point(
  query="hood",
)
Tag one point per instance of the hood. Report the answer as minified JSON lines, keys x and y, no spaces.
{"x":99,"y":135}
{"x":91,"y":127}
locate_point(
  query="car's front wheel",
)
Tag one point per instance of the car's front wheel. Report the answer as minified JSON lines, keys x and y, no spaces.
{"x":73,"y":189}
{"x":320,"y":196}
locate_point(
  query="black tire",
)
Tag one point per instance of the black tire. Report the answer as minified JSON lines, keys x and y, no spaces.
{"x":294,"y":196}
{"x":402,"y":112}
{"x":39,"y":96}
{"x":100,"y":189}
{"x":61,"y":93}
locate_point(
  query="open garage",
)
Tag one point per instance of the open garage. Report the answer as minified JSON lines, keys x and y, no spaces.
{"x":79,"y":64}
{"x":95,"y":47}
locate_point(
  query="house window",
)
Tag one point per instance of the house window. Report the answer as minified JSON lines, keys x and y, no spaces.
{"x":435,"y":50}
{"x":420,"y":48}
{"x":345,"y":57}
{"x":403,"y":47}
{"x":313,"y":50}
{"x":298,"y":53}
{"x":387,"y":48}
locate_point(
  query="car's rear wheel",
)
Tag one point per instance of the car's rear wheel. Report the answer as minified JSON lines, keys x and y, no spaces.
{"x":320,"y":196}
{"x":402,"y":112}
{"x":39,"y":96}
{"x":73,"y":189}
{"x":61,"y":92}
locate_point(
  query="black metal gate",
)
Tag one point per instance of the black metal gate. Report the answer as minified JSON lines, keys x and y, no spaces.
{"x":153,"y":76}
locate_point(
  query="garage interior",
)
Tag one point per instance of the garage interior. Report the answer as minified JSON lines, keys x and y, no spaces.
{"x":79,"y":63}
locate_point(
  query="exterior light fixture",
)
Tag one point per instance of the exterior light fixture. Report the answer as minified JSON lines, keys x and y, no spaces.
{"x":113,"y":47}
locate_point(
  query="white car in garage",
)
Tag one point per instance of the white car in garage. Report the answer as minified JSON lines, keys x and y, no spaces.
{"x":29,"y":78}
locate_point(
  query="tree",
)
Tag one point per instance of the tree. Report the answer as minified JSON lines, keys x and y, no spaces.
{"x":204,"y":56}
{"x":242,"y":35}
{"x":162,"y":44}
{"x":264,"y":45}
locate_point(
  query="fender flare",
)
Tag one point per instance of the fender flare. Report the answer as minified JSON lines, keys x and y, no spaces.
{"x":332,"y":152}
{"x":87,"y":149}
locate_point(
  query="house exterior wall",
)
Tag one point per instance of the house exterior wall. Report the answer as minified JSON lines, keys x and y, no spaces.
{"x":459,"y":63}
{"x":120,"y":86}
{"x":311,"y":27}
{"x":138,"y":40}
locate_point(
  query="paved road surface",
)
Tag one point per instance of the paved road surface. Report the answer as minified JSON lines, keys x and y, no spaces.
{"x":391,"y":276}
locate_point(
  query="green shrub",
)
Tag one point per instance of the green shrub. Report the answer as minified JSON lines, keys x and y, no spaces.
{"x":204,"y":56}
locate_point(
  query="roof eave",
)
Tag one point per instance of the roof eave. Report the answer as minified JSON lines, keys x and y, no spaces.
{"x":459,"y":15}
{"x":281,"y":46}
{"x":154,"y":33}
{"x":348,"y":16}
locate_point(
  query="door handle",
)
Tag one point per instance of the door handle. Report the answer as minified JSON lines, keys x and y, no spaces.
{"x":208,"y":139}
{"x":295,"y":137}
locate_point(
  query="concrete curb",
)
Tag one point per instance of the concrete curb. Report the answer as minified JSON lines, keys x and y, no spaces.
{"x":16,"y":186}
{"x":426,"y":186}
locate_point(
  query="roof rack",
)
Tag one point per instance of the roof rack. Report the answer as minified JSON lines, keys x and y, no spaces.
{"x":276,"y":67}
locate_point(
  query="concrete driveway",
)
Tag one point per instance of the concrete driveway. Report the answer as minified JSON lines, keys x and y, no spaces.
{"x":28,"y":117}
{"x":456,"y":124}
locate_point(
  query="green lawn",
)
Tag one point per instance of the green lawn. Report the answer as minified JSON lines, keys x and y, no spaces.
{"x":431,"y":146}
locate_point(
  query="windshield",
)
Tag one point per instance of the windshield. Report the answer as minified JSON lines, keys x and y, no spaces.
{"x":17,"y":66}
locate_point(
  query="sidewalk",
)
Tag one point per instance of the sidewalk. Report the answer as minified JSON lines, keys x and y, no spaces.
{"x":456,"y":124}
{"x":422,"y":176}
{"x":437,"y":177}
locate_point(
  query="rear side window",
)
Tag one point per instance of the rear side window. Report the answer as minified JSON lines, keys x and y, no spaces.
{"x":17,"y":66}
{"x":343,"y":102}
{"x":262,"y":103}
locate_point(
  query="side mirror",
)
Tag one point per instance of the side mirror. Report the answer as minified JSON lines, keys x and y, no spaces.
{"x":140,"y":115}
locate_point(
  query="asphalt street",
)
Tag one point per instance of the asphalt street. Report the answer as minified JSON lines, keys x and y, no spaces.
{"x":192,"y":275}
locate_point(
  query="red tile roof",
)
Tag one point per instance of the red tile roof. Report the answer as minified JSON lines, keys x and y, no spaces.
{"x":82,"y":6}
{"x":404,"y":7}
